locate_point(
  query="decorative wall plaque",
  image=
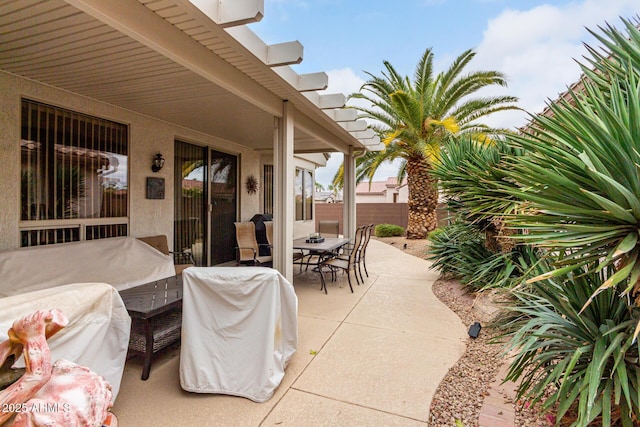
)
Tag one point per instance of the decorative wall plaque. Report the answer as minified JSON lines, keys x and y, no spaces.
{"x":155,"y":188}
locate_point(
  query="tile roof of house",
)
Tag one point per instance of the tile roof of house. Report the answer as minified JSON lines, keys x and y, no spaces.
{"x":325,"y":195}
{"x":377,"y":187}
{"x":373,"y":187}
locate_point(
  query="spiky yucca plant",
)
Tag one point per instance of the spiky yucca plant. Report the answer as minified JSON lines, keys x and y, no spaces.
{"x":579,"y":178}
{"x":474,"y":183}
{"x":582,"y":363}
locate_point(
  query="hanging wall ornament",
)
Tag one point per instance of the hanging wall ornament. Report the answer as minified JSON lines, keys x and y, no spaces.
{"x":251,"y":184}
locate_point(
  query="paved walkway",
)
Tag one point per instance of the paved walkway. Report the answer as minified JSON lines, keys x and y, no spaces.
{"x":371,"y":358}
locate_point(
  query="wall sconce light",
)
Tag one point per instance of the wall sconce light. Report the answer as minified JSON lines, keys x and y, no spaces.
{"x":158,"y":163}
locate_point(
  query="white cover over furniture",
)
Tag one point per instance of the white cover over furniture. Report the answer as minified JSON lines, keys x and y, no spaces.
{"x":97,"y":335}
{"x":239,"y":330}
{"x":123,"y":262}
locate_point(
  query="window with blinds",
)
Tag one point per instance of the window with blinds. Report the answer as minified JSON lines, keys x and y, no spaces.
{"x":268,"y":189}
{"x":304,"y":194}
{"x":74,"y":176}
{"x":303,"y":187}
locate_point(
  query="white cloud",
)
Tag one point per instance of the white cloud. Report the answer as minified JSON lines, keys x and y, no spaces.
{"x":344,"y":80}
{"x":537,"y":49}
{"x":325,"y":174}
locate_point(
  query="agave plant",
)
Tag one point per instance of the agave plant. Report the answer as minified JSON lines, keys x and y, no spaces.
{"x":454,"y":247}
{"x":579,"y":178}
{"x":588,"y":360}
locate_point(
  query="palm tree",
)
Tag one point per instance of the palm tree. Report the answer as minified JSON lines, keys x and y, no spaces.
{"x":414,"y":118}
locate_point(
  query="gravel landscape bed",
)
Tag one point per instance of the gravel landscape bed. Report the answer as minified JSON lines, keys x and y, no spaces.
{"x":460,"y":395}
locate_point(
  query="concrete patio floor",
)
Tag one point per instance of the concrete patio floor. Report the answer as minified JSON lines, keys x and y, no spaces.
{"x":371,"y":358}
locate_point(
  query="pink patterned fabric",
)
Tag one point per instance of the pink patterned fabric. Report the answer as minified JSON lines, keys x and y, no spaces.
{"x":62,"y":394}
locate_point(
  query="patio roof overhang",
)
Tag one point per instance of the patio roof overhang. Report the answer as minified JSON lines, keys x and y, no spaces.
{"x":171,"y":60}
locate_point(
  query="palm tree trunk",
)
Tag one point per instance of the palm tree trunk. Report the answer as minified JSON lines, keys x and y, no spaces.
{"x":423,"y":199}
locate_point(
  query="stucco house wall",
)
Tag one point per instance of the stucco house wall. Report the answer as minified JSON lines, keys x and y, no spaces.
{"x":147,"y":136}
{"x":403,"y":194}
{"x":371,"y":198}
{"x":308,"y":161}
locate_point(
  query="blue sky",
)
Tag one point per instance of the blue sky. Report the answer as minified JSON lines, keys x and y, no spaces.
{"x":533,"y":42}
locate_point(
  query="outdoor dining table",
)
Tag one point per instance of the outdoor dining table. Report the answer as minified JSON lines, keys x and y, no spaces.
{"x":330,"y":244}
{"x":322,"y":250}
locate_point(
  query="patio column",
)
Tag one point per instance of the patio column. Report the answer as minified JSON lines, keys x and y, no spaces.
{"x":349,"y":194}
{"x":283,"y":192}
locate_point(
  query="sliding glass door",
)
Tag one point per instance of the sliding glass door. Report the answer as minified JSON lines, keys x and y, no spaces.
{"x":223,"y":198}
{"x":190,"y":201}
{"x":205,"y":203}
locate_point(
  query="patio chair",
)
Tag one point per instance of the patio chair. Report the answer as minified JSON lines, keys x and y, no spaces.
{"x":347,"y":248}
{"x":329,"y":228}
{"x":181,"y":260}
{"x":362,"y":260}
{"x":268,"y":227}
{"x":361,"y":252}
{"x":346,"y":264}
{"x":248,"y":250}
{"x":302,"y":259}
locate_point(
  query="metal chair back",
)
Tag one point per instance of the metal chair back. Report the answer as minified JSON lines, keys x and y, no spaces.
{"x":329,"y":228}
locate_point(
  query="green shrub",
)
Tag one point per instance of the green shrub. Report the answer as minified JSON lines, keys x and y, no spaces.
{"x":582,"y":360}
{"x":453,"y":247}
{"x":460,"y":250}
{"x":436,"y":234}
{"x":388,"y":230}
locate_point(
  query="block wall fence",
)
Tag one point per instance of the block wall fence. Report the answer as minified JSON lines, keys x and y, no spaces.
{"x":372,"y":213}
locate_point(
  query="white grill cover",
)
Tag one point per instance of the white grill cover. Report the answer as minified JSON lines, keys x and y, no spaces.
{"x":239,"y":330}
{"x":97,"y":335}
